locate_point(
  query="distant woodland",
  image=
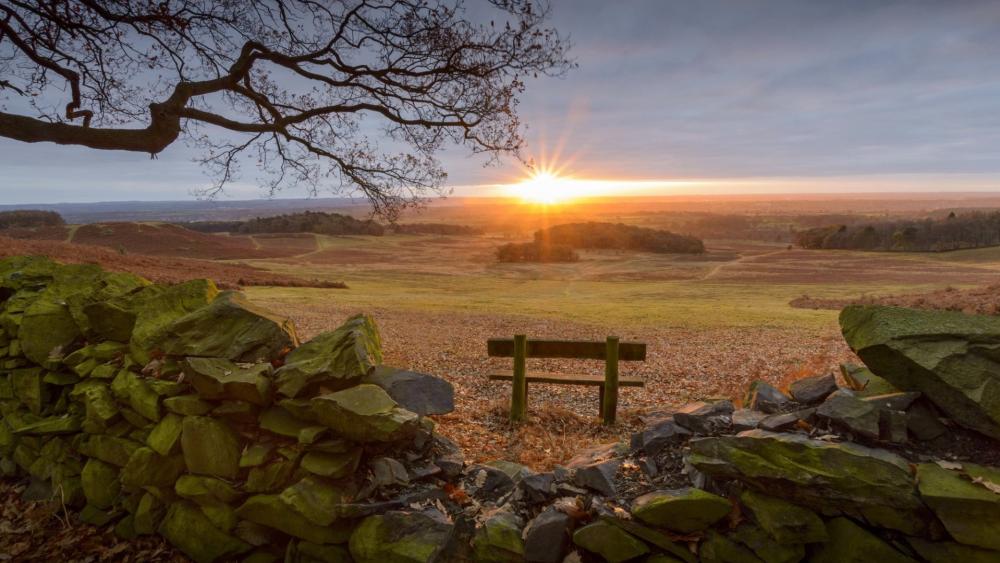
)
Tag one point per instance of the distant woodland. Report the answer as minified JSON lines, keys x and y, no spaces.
{"x":326,"y":224}
{"x":955,"y":232}
{"x":559,"y":243}
{"x":433,"y":229}
{"x":620,"y":237}
{"x":534,"y":252}
{"x":29,"y":218}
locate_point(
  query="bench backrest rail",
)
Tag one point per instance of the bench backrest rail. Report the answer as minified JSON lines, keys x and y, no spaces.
{"x":570,"y":349}
{"x":611,"y":351}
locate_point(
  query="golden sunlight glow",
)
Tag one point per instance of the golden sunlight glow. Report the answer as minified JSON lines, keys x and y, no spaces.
{"x":545,"y":188}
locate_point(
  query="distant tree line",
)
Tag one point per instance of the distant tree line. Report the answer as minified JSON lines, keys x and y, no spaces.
{"x":535,"y":252}
{"x":312,"y":222}
{"x":30,"y":218}
{"x":326,"y":224}
{"x":558,"y":243}
{"x":212,"y":226}
{"x":969,"y":230}
{"x":434,"y":229}
{"x":618,"y":236}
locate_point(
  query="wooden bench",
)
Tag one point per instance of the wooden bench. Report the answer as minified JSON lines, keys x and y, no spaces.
{"x":611,"y":351}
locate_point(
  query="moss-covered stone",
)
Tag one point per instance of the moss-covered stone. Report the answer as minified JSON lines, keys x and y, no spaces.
{"x":336,"y":359}
{"x":269,"y":477}
{"x":951,"y":552}
{"x":765,"y":547}
{"x":400,"y":537}
{"x":682,"y":510}
{"x":229,"y":327}
{"x":255,"y":454}
{"x":28,"y":387}
{"x":59,"y":424}
{"x":498,"y":539}
{"x":148,"y":514}
{"x":969,"y":511}
{"x":332,"y":465}
{"x":189,"y":530}
{"x":110,"y":449}
{"x":282,"y":422}
{"x":47,"y":329}
{"x":787,"y":523}
{"x":210,"y":447}
{"x":271,"y":511}
{"x":188,"y":405}
{"x":217,"y":378}
{"x":829,"y":477}
{"x":717,"y":548}
{"x":202,"y":489}
{"x":132,"y":390}
{"x":652,"y":536}
{"x":307,"y":552}
{"x":317,"y":499}
{"x":98,"y":517}
{"x":609,"y":541}
{"x":147,"y":468}
{"x":948,"y":356}
{"x":365,"y":413}
{"x":100,"y":481}
{"x":150,"y":309}
{"x":165,"y":438}
{"x":850,"y":543}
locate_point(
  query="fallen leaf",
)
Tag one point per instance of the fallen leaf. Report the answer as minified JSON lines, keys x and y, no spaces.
{"x":990,"y":485}
{"x":949,"y":465}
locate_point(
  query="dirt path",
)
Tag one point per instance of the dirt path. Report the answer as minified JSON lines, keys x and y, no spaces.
{"x":743,"y":258}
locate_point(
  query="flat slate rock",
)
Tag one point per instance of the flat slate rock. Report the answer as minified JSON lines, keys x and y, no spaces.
{"x":547,"y":537}
{"x":416,"y":392}
{"x":948,"y":356}
{"x":705,"y":417}
{"x":873,"y":483}
{"x":812,"y":390}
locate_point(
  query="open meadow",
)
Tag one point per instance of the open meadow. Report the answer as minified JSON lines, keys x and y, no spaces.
{"x":713,"y":322}
{"x":745,"y":309}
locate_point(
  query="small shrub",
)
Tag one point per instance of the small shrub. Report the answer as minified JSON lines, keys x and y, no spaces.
{"x":536,"y":252}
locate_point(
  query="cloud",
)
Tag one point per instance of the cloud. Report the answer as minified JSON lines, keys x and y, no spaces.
{"x":695,"y":89}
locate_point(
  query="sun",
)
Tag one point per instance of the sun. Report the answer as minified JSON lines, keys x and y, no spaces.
{"x":544,"y":187}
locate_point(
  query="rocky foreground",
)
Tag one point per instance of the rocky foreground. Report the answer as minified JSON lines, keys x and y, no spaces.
{"x":192,"y":414}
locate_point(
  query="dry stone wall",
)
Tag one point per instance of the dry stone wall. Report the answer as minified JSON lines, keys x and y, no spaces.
{"x":193,"y":414}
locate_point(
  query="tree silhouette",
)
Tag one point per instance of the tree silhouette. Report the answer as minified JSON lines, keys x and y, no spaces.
{"x":303,"y":89}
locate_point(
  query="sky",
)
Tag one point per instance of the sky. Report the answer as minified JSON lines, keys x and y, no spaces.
{"x":692,"y":96}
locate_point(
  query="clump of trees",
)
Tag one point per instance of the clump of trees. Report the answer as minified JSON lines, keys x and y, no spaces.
{"x":536,"y":252}
{"x":213,"y":226}
{"x":312,"y":222}
{"x":434,"y":229}
{"x":618,"y":236}
{"x":970,"y":230}
{"x":30,"y":218}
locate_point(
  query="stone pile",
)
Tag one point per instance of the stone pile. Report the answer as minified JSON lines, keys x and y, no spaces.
{"x":898,"y":464}
{"x":190,"y":413}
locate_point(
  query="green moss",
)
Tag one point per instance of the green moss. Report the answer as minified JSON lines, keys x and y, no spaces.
{"x":609,"y":541}
{"x":682,"y":510}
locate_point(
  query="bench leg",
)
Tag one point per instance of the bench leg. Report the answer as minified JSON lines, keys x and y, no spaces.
{"x":600,"y":403}
{"x":519,"y":392}
{"x":609,"y":399}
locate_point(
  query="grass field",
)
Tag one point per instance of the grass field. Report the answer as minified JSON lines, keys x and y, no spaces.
{"x":735,"y":284}
{"x":713,"y":322}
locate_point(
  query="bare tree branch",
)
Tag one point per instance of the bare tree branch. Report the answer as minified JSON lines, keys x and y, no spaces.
{"x":312,"y":90}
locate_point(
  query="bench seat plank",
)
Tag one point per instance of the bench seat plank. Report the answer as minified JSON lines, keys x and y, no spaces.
{"x":573,"y":349}
{"x":568,"y":379}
